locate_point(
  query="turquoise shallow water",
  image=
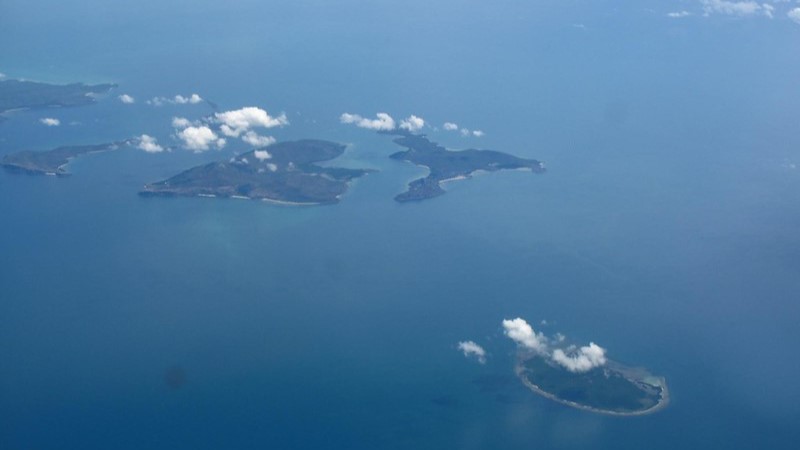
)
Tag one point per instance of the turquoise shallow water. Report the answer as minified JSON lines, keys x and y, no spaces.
{"x":665,"y":230}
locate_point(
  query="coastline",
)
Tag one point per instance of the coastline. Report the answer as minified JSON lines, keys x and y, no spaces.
{"x":662,"y":402}
{"x":286,"y":202}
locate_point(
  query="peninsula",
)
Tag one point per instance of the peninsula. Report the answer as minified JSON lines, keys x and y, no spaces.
{"x":18,"y":94}
{"x":282,"y":173}
{"x":446,"y":165}
{"x":611,"y":389}
{"x":51,"y":162}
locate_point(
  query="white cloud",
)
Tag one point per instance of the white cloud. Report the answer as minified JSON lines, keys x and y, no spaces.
{"x":524,"y":335}
{"x":735,"y":8}
{"x":127,"y":99}
{"x":149,"y":144}
{"x":236,"y":122}
{"x":679,"y":14}
{"x":470,"y":348}
{"x":262,"y":155}
{"x":180,"y":122}
{"x":256,"y":140}
{"x":200,"y":138}
{"x":581,"y":360}
{"x":383,"y":122}
{"x":176,"y":100}
{"x":465,"y":132}
{"x":794,"y":15}
{"x":450,"y":126}
{"x":272,"y":167}
{"x":193,"y":99}
{"x":478,"y":133}
{"x":50,"y":122}
{"x":412,"y":123}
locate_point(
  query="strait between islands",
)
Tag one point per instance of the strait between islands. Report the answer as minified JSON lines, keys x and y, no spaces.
{"x":288,"y":172}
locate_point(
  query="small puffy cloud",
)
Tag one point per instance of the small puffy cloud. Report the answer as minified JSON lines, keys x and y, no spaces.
{"x":450,"y":126}
{"x":200,"y":138}
{"x":678,"y":14}
{"x":735,"y":8}
{"x":794,"y":15}
{"x":581,"y":360}
{"x":412,"y":123}
{"x":382,"y":122}
{"x":159,"y":101}
{"x":256,"y":140}
{"x":127,"y":99}
{"x":193,"y":99}
{"x":50,"y":122}
{"x":262,"y":155}
{"x":471,"y":349}
{"x":180,"y":122}
{"x":239,"y":121}
{"x":524,"y":335}
{"x":478,"y":133}
{"x":176,"y":100}
{"x":465,"y":132}
{"x":149,"y":144}
{"x":272,"y":167}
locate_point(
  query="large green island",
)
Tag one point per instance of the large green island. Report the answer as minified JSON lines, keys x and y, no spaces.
{"x":18,"y":94}
{"x":51,"y":162}
{"x":446,"y":165}
{"x":610,"y":389}
{"x":285,"y":172}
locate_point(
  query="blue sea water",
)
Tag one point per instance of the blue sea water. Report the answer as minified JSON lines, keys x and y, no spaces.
{"x":666,"y":228}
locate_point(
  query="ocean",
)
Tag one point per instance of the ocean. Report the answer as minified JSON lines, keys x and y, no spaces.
{"x":665,"y":228}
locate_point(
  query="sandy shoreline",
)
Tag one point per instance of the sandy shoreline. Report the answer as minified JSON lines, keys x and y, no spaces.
{"x":286,"y":203}
{"x":456,"y":178}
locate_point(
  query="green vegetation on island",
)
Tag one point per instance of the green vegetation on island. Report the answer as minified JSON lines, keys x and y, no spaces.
{"x":609,"y":389}
{"x":18,"y":94}
{"x":284,"y":172}
{"x":51,"y":162}
{"x":445,"y":165}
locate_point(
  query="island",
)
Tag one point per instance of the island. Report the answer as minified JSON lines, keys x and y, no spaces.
{"x":18,"y":94}
{"x":447,"y":165}
{"x":51,"y":162}
{"x":612,"y":389}
{"x":285,"y":172}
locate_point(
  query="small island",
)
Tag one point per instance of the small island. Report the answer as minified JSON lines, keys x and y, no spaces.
{"x":446,"y":165}
{"x":281,"y":173}
{"x":51,"y":162}
{"x":611,"y":389}
{"x":18,"y":94}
